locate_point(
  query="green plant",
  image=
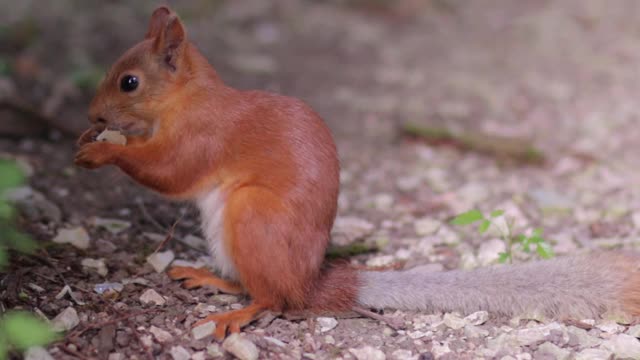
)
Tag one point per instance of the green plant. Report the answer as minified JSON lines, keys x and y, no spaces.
{"x":507,"y":233}
{"x":10,"y":176}
{"x":18,"y":330}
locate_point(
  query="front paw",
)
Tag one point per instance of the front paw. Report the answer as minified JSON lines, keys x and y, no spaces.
{"x":90,"y":134}
{"x":95,"y":154}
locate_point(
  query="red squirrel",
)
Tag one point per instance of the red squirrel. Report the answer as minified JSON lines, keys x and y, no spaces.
{"x":263,"y":170}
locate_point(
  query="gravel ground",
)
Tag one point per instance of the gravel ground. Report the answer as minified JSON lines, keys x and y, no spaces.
{"x":563,"y":74}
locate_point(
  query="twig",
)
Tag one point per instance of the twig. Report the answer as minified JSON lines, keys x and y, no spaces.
{"x":78,"y":333}
{"x":499,"y":146}
{"x":392,"y":323}
{"x":169,"y":234}
{"x":147,"y":351}
{"x":148,"y":216}
{"x":62,"y":283}
{"x":74,"y":353}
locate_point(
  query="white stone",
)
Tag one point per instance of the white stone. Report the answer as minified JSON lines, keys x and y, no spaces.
{"x":326,"y":323}
{"x":66,"y":320}
{"x":161,"y":260}
{"x":240,"y":347}
{"x":408,"y":183}
{"x":477,"y":318}
{"x":402,"y":354}
{"x":116,"y":356}
{"x":368,"y":353}
{"x":453,"y":321}
{"x":37,"y":353}
{"x":440,"y":349}
{"x":472,"y":331}
{"x":634,"y":331}
{"x":552,"y":349}
{"x":77,"y":236}
{"x":204,"y":330}
{"x":380,"y":261}
{"x":161,"y":335}
{"x":179,"y":353}
{"x":146,"y":340}
{"x":623,"y":346}
{"x":593,"y":354}
{"x":275,"y":341}
{"x":489,"y":251}
{"x":610,"y":327}
{"x":426,"y":226}
{"x":114,"y":226}
{"x":214,"y":351}
{"x":349,"y":229}
{"x":152,"y":296}
{"x":383,"y":202}
{"x":96,"y":264}
{"x":584,"y":339}
{"x":532,"y":335}
{"x":200,"y":355}
{"x":418,"y":334}
{"x":635,"y":219}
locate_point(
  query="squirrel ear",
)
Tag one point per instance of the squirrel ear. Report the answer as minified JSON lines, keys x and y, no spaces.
{"x":158,"y":21}
{"x":169,"y":43}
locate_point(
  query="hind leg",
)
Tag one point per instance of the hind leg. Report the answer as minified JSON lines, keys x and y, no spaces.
{"x":202,"y":277}
{"x":233,"y":321}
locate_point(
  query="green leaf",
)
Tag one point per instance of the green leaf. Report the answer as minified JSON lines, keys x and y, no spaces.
{"x":520,"y":238}
{"x":503,"y":258}
{"x":526,"y":245}
{"x":24,"y":330}
{"x":6,"y":211}
{"x":484,"y":226}
{"x":537,"y":232}
{"x":536,"y":240}
{"x":10,"y":175}
{"x":545,"y":251}
{"x":467,"y":218}
{"x":17,"y":240}
{"x":4,"y":349}
{"x":496,"y":213}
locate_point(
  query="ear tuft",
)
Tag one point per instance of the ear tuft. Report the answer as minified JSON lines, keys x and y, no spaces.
{"x":170,"y":42}
{"x":158,"y":20}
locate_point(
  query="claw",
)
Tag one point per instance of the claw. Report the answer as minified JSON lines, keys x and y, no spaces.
{"x":202,"y":277}
{"x":232,"y":321}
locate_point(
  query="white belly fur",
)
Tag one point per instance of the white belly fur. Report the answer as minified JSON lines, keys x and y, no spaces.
{"x":211,"y":207}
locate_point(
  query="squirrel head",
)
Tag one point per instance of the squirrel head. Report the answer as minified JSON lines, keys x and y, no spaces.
{"x":145,"y":79}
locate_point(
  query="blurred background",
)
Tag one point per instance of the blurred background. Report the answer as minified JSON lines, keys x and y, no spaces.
{"x":437,"y":106}
{"x":558,"y":70}
{"x":545,"y":82}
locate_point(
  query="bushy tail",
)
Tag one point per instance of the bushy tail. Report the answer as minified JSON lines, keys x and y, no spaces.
{"x":576,"y":287}
{"x":336,"y":289}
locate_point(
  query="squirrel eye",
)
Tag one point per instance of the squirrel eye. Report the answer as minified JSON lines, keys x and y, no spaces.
{"x":129,"y":83}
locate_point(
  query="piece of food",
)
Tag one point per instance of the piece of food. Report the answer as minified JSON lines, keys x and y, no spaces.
{"x":112,"y":136}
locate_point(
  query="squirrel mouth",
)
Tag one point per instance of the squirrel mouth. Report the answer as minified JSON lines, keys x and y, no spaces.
{"x":130,"y":128}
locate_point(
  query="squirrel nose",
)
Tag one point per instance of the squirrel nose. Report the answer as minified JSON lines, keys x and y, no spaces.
{"x":97,"y":120}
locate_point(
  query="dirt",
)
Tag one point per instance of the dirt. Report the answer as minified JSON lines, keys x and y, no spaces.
{"x":562,"y":74}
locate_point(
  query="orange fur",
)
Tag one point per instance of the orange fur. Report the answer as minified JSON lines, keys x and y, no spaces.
{"x":273,"y":158}
{"x":630,"y":266}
